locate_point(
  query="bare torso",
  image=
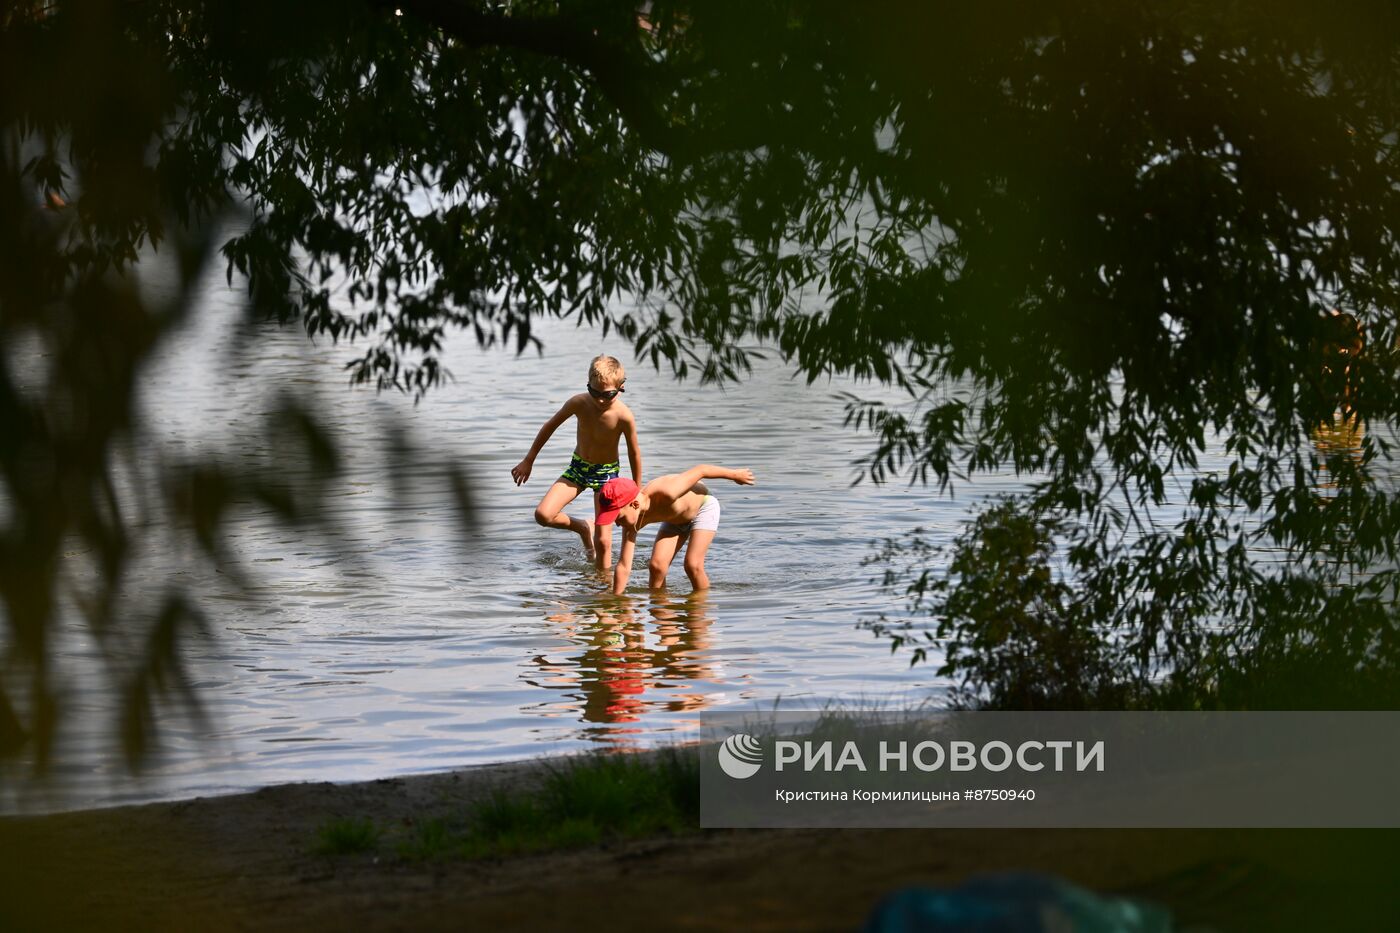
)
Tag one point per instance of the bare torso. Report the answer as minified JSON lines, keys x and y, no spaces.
{"x":598,"y":428}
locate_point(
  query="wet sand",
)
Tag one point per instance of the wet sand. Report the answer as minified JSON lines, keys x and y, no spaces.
{"x":245,"y":863}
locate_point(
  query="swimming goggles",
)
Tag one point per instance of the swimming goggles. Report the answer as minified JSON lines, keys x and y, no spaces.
{"x":602,"y":396}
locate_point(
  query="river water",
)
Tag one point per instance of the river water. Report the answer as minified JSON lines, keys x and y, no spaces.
{"x":401,"y":644}
{"x":396,"y":647}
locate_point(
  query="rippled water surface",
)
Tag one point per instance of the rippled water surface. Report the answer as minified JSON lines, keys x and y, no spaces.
{"x":393,"y":648}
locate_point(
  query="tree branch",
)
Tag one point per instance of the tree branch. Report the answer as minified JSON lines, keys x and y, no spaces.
{"x":620,"y":68}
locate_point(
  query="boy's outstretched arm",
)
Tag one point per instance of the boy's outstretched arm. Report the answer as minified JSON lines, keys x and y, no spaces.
{"x":521,"y":471}
{"x":634,"y":449}
{"x":624,"y":561}
{"x":677,"y":484}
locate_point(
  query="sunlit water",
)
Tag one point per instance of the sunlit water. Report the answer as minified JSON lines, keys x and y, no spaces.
{"x":396,"y":649}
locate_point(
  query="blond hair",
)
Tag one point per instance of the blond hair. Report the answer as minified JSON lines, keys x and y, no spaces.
{"x":605,"y":368}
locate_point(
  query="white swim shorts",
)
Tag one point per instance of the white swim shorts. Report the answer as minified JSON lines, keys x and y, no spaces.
{"x":707,"y":519}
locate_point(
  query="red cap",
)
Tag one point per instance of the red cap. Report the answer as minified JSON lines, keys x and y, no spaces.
{"x":613,"y":497}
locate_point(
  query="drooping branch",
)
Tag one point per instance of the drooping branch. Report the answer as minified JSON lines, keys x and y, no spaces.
{"x":639,"y":85}
{"x":621,"y":68}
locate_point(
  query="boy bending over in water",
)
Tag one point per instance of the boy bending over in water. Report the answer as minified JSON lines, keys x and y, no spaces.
{"x":602,"y":419}
{"x":687,"y":513}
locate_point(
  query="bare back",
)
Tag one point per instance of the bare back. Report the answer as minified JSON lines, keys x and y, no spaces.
{"x":663,"y":506}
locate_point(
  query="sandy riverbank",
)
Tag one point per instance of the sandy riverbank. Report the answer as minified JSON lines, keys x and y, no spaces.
{"x":245,"y":863}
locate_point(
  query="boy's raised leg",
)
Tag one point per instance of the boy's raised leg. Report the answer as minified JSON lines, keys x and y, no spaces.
{"x":550,"y":513}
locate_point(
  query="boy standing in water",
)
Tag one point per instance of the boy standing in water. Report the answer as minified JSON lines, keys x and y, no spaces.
{"x":687,"y":512}
{"x":602,"y":419}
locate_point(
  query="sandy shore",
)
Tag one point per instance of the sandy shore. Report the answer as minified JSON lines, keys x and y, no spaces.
{"x":245,"y":862}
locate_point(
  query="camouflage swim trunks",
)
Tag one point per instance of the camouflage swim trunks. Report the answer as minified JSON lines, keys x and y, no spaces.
{"x":591,"y":475}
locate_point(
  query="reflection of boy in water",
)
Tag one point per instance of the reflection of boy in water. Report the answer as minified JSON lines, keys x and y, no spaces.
{"x":616,"y":666}
{"x":687,"y":512}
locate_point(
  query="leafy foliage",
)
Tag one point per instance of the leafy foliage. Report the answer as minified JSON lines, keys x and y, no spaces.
{"x":1087,"y":237}
{"x":1013,"y":631}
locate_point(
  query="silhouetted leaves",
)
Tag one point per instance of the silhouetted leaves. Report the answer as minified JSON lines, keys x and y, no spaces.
{"x":1089,"y":238}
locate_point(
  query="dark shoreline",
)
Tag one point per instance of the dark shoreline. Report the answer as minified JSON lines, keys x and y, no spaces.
{"x":245,"y":862}
{"x":38,"y":802}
